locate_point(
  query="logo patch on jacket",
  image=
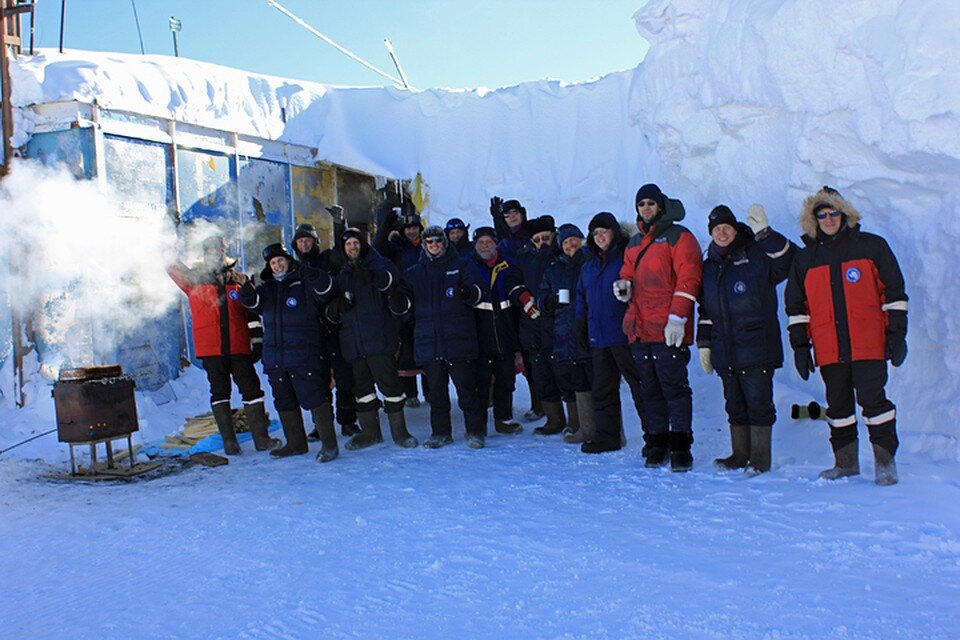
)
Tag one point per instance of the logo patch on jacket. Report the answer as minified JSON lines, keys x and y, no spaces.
{"x":233,"y":294}
{"x":449,"y":292}
{"x":291,"y":302}
{"x":661,"y":239}
{"x":852,"y":274}
{"x":740,"y":287}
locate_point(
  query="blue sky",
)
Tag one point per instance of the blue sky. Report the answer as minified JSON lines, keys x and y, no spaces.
{"x":440,"y":43}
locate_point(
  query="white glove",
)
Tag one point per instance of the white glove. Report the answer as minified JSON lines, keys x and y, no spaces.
{"x":757,"y":218}
{"x":623,"y":290}
{"x":705,"y":360}
{"x":674,"y":333}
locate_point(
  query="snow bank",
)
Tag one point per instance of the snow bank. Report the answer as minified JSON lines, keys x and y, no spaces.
{"x":736,"y":102}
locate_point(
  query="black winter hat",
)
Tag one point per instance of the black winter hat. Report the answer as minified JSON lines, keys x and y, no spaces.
{"x":541,"y":224}
{"x":568,"y":230}
{"x":484,"y":231}
{"x":507,"y":205}
{"x":455,"y":223}
{"x":305,"y":231}
{"x":721,"y":214}
{"x":603,"y":220}
{"x":652,"y":192}
{"x":275,"y":250}
{"x":351,"y":232}
{"x":411,"y":220}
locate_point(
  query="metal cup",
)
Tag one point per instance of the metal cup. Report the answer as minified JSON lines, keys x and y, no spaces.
{"x":563,"y":296}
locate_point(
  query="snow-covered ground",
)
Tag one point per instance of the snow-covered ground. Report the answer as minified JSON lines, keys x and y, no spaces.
{"x":527,"y":538}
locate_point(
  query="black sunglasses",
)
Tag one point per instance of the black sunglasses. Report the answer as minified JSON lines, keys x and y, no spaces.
{"x":433,"y":240}
{"x":827,"y":213}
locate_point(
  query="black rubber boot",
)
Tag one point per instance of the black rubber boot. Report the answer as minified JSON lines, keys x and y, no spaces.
{"x":507,"y":427}
{"x":760,"y":458}
{"x":680,"y":457}
{"x":555,"y":420}
{"x":740,"y":443}
{"x":606,"y":435}
{"x":885,"y":473}
{"x":323,"y":422}
{"x":223,"y":415}
{"x":658,"y":450}
{"x":437,"y":441}
{"x":349,"y":430}
{"x":258,"y":424}
{"x":587,"y":421}
{"x":370,"y":433}
{"x":398,"y":430}
{"x":846,"y":453}
{"x":295,"y":434}
{"x":573,"y":419}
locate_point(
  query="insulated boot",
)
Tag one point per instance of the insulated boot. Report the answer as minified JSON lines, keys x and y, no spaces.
{"x":658,"y":450}
{"x":323,"y":421}
{"x":475,"y":441}
{"x":585,"y":418}
{"x":847,"y":462}
{"x":759,"y":449}
{"x":348,"y":430}
{"x":555,"y":420}
{"x":435,"y":442}
{"x":294,"y":432}
{"x":740,"y":442}
{"x":370,"y":433}
{"x":257,"y":423}
{"x":605,"y":433}
{"x":886,"y":469}
{"x":398,"y":430}
{"x":223,"y":416}
{"x":573,"y":419}
{"x":680,"y":457}
{"x":507,"y":427}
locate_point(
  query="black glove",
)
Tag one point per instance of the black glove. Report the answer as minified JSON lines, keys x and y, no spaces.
{"x":336,"y":212}
{"x":307,"y":272}
{"x":896,"y":348}
{"x":581,"y":336}
{"x":803,"y":360}
{"x":467,"y":294}
{"x":495,"y":203}
{"x":550,"y":303}
{"x":256,"y":351}
{"x":396,"y":299}
{"x":362,"y":275}
{"x":342,"y":304}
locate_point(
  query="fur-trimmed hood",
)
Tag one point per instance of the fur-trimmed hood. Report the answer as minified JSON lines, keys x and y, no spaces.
{"x":808,"y":222}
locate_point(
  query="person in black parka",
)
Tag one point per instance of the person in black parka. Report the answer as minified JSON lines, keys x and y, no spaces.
{"x":369,"y":337}
{"x":306,"y":249}
{"x":289,"y":300}
{"x":570,"y":365}
{"x":443,"y":288}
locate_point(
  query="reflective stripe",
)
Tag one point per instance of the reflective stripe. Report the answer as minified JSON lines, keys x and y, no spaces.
{"x":704,"y":321}
{"x":504,"y":304}
{"x":253,"y":324}
{"x":685,"y":295}
{"x":256,"y":303}
{"x":213,"y":404}
{"x":257,"y":401}
{"x":485,"y":306}
{"x":329,"y":286}
{"x":399,"y":398}
{"x":899,"y":305}
{"x":777,"y":254}
{"x":519,"y":286}
{"x":256,"y":340}
{"x":886,"y":416}
{"x":792,"y":320}
{"x":370,"y":397}
{"x":842,"y":422}
{"x":389,"y":282}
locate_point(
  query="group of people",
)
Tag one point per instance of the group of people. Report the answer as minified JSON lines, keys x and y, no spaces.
{"x":575,"y":313}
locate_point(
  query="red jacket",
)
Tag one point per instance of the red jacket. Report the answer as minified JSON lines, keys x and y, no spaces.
{"x":221,"y":325}
{"x":844,"y":290}
{"x":666,"y":280}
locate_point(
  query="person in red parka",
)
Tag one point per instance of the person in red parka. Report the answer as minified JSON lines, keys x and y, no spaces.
{"x":227,"y":339}
{"x":660,"y":280}
{"x":846,"y":295}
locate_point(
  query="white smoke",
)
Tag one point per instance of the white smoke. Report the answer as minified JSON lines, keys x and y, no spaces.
{"x":82,"y":274}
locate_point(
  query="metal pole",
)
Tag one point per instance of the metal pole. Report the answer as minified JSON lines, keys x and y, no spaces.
{"x":396,"y":62}
{"x":175,"y":26}
{"x":32,"y":20}
{"x":333,"y":44}
{"x":63,"y":21}
{"x":136,"y":19}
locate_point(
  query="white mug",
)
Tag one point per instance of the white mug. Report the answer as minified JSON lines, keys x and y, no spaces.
{"x":563,"y":296}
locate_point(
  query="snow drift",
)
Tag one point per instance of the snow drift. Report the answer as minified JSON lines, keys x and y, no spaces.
{"x":737,"y":102}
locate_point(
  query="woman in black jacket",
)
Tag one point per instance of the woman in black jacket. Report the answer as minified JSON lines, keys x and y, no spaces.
{"x":738,"y":331}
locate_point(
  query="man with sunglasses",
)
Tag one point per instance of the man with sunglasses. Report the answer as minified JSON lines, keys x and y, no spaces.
{"x":443,"y":288}
{"x":846,"y":300}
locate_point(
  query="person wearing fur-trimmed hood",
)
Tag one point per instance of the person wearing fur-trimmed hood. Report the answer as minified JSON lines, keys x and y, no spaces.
{"x":738,"y":330}
{"x":846,"y":300}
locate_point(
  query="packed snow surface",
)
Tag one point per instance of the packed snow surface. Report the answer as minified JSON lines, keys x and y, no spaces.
{"x":736,"y":102}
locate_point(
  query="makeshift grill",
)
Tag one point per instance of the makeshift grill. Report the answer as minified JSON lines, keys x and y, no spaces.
{"x":95,"y":405}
